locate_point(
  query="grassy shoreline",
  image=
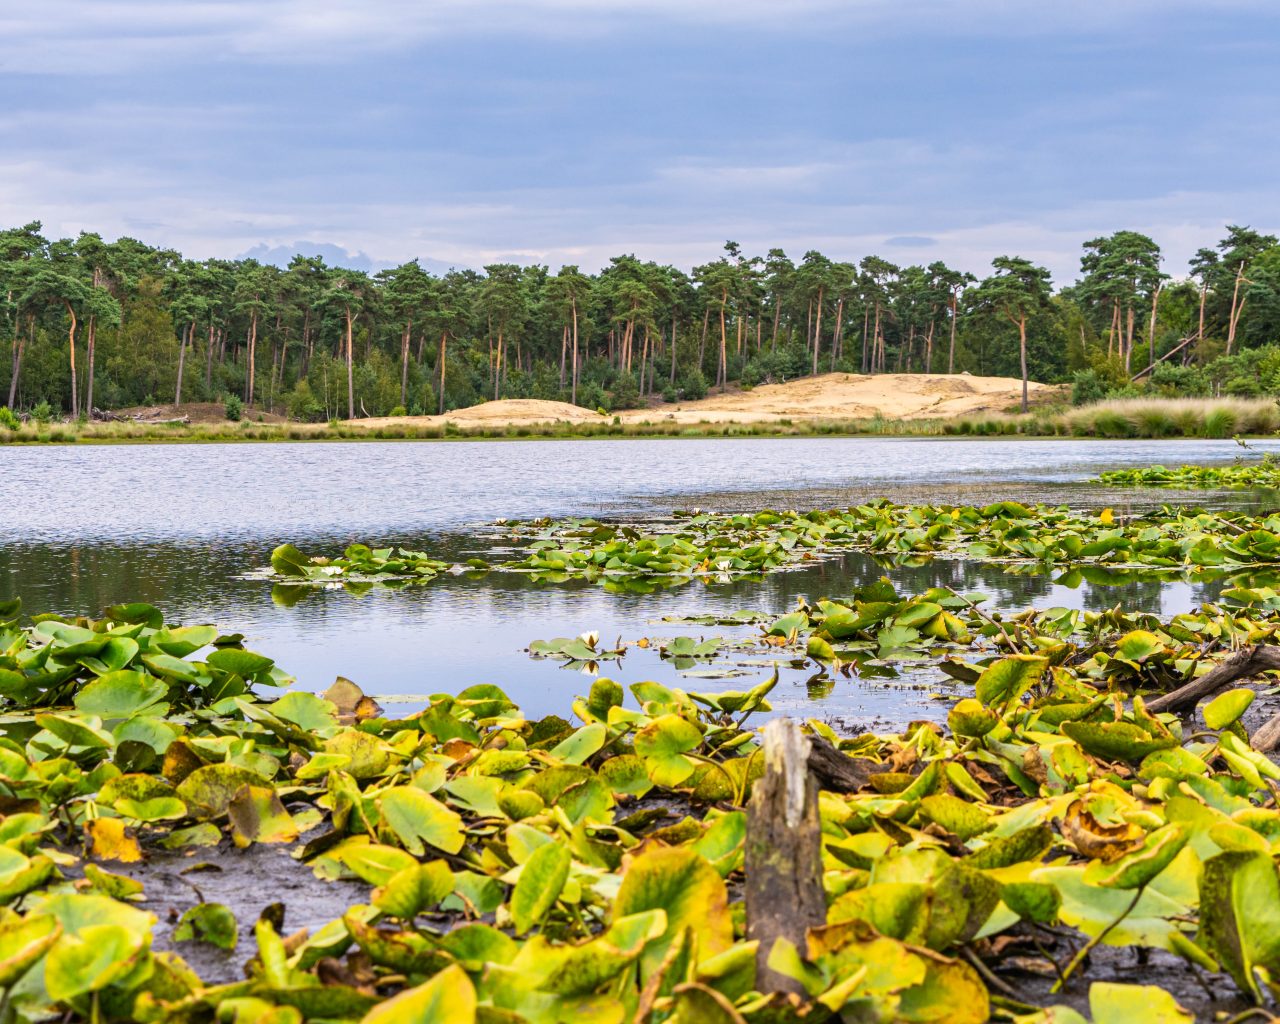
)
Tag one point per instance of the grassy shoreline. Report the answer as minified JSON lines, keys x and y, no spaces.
{"x":1118,"y":419}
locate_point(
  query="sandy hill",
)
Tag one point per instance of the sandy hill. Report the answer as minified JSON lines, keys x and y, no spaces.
{"x":831,"y":396}
{"x":844,"y":396}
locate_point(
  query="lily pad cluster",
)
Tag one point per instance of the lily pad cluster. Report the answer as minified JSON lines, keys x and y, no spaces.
{"x":720,"y":547}
{"x":545,"y":871}
{"x":1263,"y":475}
{"x":357,"y":563}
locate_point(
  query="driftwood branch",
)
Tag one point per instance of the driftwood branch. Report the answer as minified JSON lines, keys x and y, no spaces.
{"x":784,"y":893}
{"x":1247,"y":662}
{"x":1267,"y":738}
{"x":837,"y":772}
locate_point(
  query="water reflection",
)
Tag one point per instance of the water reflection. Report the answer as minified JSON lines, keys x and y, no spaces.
{"x":177,"y":526}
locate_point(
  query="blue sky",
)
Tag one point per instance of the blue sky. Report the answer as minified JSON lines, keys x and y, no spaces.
{"x":465,"y":131}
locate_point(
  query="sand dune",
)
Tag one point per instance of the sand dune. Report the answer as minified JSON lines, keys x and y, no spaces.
{"x":831,"y":396}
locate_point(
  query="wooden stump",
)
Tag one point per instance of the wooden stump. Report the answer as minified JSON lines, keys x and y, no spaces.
{"x":784,"y":893}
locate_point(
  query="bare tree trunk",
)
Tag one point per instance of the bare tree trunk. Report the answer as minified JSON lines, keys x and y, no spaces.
{"x":351,"y":377}
{"x":253,"y":351}
{"x":182,"y":360}
{"x":208,"y":361}
{"x":405,"y":338}
{"x":1128,"y":344}
{"x":1022,"y":351}
{"x":573,"y":390}
{"x":443,"y":363}
{"x":724,"y":348}
{"x":673,"y":350}
{"x":835,"y":335}
{"x":1237,"y":307}
{"x":866,"y":323}
{"x":19,"y":345}
{"x":784,"y":893}
{"x":91,"y":347}
{"x":702,"y":342}
{"x":497,"y":372}
{"x":875,"y":338}
{"x":951,"y":352}
{"x":817,"y":334}
{"x":777,"y":310}
{"x":928,"y":348}
{"x":564,"y":353}
{"x":1151,"y":330}
{"x":71,"y":340}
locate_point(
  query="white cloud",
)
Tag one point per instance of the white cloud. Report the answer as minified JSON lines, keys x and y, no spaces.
{"x":96,"y":36}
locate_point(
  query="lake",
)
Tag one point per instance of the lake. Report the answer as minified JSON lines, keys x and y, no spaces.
{"x":181,"y":525}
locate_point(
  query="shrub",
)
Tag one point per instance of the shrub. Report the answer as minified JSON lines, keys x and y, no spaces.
{"x":302,"y":402}
{"x":1220,"y":422}
{"x":1087,"y":387}
{"x":693,"y":385}
{"x":42,"y":413}
{"x":8,"y":418}
{"x":399,"y":410}
{"x":626,"y":393}
{"x":233,"y":408}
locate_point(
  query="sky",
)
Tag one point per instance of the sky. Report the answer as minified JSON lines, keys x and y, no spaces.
{"x":465,"y":132}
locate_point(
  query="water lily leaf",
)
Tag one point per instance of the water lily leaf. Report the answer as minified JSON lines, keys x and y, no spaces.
{"x":239,"y":662}
{"x":663,"y":743}
{"x":305,"y":710}
{"x":689,"y":890}
{"x":182,"y":641}
{"x":415,"y":889}
{"x":1240,"y":917}
{"x":952,"y":992}
{"x":258,"y":816}
{"x":90,"y":959}
{"x":625,"y":774}
{"x":541,"y":881}
{"x":1112,"y":1003}
{"x":208,"y":922}
{"x":416,"y":817}
{"x":208,"y":790}
{"x":448,"y":998}
{"x":371,"y":862}
{"x":108,"y":840}
{"x":1118,"y":741}
{"x":1227,"y":708}
{"x":957,"y":816}
{"x":369,"y":756}
{"x":1006,"y":680}
{"x":1142,"y":865}
{"x":118,"y":887}
{"x":23,"y":941}
{"x":968,"y":717}
{"x":579,"y":746}
{"x":77,"y":732}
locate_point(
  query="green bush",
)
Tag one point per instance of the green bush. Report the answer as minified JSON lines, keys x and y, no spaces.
{"x":302,"y":403}
{"x":233,"y":407}
{"x":8,"y":418}
{"x":399,"y":410}
{"x":1219,"y":423}
{"x":1087,"y":387}
{"x":693,"y":385}
{"x":42,"y":413}
{"x":626,"y":393}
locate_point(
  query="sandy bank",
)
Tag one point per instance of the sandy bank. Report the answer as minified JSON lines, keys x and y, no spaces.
{"x":831,"y":396}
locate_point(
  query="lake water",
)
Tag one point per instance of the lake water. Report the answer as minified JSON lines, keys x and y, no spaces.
{"x":180,"y":525}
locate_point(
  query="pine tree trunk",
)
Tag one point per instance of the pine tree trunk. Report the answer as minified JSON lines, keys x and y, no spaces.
{"x":91,"y":347}
{"x":1022,"y":348}
{"x":443,"y":363}
{"x":404,"y":364}
{"x":951,"y":353}
{"x":351,"y":377}
{"x":71,"y":340}
{"x":182,"y":359}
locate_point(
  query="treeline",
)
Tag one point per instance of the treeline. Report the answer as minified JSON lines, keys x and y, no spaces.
{"x":95,"y":324}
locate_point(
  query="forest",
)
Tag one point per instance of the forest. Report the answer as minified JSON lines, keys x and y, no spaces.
{"x":95,"y":325}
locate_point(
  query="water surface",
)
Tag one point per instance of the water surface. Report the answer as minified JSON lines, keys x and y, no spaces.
{"x":179,"y":525}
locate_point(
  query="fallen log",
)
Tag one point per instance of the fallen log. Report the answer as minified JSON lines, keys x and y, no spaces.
{"x":784,"y":893}
{"x":1245,"y":663}
{"x":836,"y":771}
{"x":1267,"y":738}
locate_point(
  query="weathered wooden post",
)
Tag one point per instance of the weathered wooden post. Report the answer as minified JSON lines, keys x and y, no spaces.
{"x":784,"y":893}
